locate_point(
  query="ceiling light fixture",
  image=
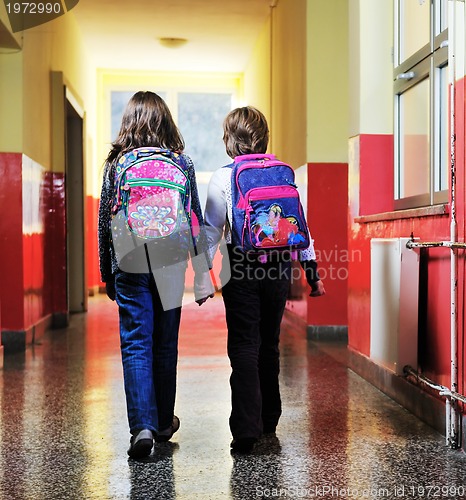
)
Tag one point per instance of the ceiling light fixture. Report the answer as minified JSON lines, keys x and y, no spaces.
{"x":172,"y":42}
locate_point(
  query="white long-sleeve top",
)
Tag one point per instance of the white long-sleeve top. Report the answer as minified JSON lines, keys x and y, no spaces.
{"x":218,"y":213}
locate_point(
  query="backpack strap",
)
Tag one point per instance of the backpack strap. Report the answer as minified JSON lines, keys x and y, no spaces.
{"x":141,"y":153}
{"x":254,"y":156}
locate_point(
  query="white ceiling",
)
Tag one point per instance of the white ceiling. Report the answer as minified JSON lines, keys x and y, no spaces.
{"x":124,"y":34}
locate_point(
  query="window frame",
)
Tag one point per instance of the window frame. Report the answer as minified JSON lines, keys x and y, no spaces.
{"x":427,"y":62}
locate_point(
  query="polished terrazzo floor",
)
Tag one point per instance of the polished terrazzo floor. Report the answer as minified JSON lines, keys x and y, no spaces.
{"x":64,"y":434}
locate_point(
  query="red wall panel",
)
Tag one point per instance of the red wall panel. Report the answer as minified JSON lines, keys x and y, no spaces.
{"x":32,"y":243}
{"x":33,"y":265}
{"x":11,"y":266}
{"x":55,"y":279}
{"x":434,"y":335}
{"x":92,"y":250}
{"x":376,"y":174}
{"x":327,"y":219}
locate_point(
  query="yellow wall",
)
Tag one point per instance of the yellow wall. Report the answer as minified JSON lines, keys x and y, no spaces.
{"x":275,"y":79}
{"x":371,"y":67}
{"x":257,"y":89}
{"x":69,"y":57}
{"x":37,"y":47}
{"x":327,"y":76}
{"x":288,"y":112}
{"x":11,"y":103}
{"x":25,"y":88}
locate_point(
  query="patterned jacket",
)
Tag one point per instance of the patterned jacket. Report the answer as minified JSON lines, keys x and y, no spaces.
{"x":107,"y":258}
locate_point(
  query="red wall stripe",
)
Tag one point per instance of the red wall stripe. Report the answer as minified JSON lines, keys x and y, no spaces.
{"x":11,"y":223}
{"x":92,"y":250}
{"x":434,"y":343}
{"x":327,"y":219}
{"x":376,"y":174}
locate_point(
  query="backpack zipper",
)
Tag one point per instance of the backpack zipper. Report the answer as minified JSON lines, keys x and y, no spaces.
{"x":270,"y":163}
{"x":141,"y":181}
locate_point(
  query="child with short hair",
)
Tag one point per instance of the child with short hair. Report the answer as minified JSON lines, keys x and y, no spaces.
{"x":255,"y":295}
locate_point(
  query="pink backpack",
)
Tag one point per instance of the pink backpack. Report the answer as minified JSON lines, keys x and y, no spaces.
{"x":152,"y":190}
{"x":152,"y":205}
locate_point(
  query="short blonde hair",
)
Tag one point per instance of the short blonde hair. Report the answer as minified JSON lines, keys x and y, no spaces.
{"x":245,"y":131}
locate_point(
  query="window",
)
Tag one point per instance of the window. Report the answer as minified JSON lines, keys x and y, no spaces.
{"x":199,"y":116}
{"x":421,"y":103}
{"x":200,"y":119}
{"x":119,"y":99}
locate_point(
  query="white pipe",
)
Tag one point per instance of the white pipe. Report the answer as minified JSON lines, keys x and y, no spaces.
{"x":441,"y":389}
{"x":432,"y":244}
{"x":451,"y":406}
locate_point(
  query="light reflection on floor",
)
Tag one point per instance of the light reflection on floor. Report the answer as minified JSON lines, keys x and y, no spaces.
{"x":64,"y":431}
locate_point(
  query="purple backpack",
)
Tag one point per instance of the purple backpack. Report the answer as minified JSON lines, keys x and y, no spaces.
{"x":267,"y":211}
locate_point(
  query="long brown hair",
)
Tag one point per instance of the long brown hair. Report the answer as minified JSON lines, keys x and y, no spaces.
{"x":146,"y":121}
{"x":245,"y":131}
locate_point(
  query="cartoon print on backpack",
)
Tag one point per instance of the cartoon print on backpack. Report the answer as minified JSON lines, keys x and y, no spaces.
{"x":272,"y":228}
{"x":267,"y":211}
{"x":151,"y":220}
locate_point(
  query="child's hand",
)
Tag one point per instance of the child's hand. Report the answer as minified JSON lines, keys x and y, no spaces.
{"x":317,"y":289}
{"x":204,"y":299}
{"x":110,"y":289}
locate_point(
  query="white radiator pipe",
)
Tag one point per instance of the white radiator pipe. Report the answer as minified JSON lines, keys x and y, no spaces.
{"x":452,"y":434}
{"x":452,"y":437}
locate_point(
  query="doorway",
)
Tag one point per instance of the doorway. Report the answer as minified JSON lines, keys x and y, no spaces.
{"x":75,"y":213}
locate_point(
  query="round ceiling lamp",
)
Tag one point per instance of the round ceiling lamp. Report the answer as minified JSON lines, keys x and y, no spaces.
{"x":172,"y":42}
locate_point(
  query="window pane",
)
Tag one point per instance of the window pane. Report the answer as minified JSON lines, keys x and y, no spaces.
{"x":415,"y":26}
{"x":118,"y":101}
{"x":442,"y":165}
{"x":200,"y":119}
{"x":442,"y":6}
{"x":414,"y":140}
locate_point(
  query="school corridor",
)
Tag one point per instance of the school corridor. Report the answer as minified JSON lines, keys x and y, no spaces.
{"x":64,"y":433}
{"x":365,"y":99}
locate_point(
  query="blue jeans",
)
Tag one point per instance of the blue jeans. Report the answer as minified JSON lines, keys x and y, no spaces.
{"x":149,"y":350}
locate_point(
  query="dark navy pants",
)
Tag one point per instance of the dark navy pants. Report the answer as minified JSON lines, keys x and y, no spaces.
{"x":255,"y":299}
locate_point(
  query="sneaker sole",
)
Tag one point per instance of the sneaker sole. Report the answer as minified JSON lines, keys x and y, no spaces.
{"x":141,"y":449}
{"x":160,"y":438}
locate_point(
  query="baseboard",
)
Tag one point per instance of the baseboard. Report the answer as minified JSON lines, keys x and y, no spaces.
{"x":60,"y":320}
{"x":39,"y":329}
{"x":423,"y":405}
{"x":292,"y":320}
{"x":334,"y":333}
{"x":17,"y":340}
{"x":1,"y":356}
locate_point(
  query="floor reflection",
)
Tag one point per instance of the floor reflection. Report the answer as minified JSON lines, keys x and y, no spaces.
{"x":153,"y":478}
